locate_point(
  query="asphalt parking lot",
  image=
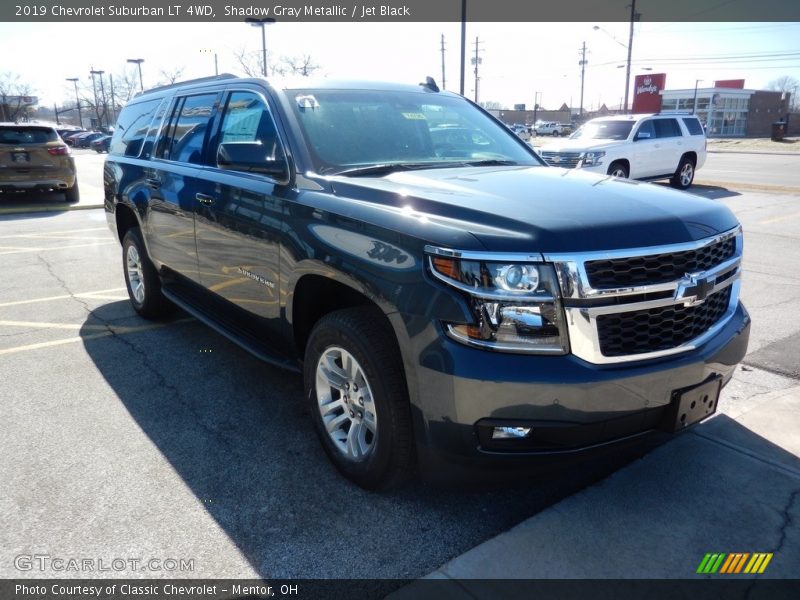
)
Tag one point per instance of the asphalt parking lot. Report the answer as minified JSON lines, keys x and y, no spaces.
{"x":130,"y":439}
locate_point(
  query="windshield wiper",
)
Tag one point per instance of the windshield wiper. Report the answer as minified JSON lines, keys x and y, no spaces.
{"x":387,"y":168}
{"x":491,"y":162}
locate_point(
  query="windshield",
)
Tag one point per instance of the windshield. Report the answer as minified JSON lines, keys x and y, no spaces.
{"x":604,"y":130}
{"x":27,"y":135}
{"x":348,"y":129}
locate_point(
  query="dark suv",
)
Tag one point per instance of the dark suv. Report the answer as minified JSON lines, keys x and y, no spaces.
{"x":450,"y":300}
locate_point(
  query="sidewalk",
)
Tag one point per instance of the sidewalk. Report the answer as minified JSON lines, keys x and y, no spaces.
{"x":729,"y":485}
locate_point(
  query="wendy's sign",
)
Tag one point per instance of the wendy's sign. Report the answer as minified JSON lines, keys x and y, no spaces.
{"x":646,"y":88}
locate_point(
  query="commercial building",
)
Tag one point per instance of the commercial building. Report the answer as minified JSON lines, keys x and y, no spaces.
{"x":730,"y":110}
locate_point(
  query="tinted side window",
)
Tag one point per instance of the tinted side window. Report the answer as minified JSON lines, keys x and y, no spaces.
{"x":666,"y":128}
{"x":247,"y":119}
{"x":693,"y":125}
{"x":132,"y":126}
{"x":187,"y":132}
{"x":647,"y":127}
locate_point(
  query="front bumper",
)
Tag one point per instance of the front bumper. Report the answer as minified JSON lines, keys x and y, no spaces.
{"x":574,"y":407}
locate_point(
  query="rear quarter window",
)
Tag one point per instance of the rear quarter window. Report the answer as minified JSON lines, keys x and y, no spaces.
{"x":693,"y":125}
{"x":132,"y":126}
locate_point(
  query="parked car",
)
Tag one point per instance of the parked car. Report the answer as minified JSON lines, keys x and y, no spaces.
{"x":453,"y":305}
{"x":522,"y":131}
{"x":552,"y":128}
{"x":648,"y":147}
{"x":34,"y":158}
{"x":85,"y":141}
{"x":101,"y":144}
{"x":69,"y":136}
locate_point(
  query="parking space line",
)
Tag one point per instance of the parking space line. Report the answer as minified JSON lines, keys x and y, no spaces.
{"x":48,"y":236}
{"x":67,"y":247}
{"x":61,"y":231}
{"x":62,"y":297}
{"x":94,"y":336}
{"x":788,"y":217}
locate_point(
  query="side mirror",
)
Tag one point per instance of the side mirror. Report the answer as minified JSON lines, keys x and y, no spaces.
{"x":251,"y":157}
{"x":643,"y":135}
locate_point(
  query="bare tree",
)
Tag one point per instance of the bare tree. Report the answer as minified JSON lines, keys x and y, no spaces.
{"x":251,"y":64}
{"x":169,"y":76}
{"x":492,"y":105}
{"x":787,"y":83}
{"x":302,"y":65}
{"x":12,"y":90}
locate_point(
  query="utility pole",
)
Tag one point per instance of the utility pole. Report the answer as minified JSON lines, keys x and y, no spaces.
{"x":630,"y":51}
{"x":113,"y":102}
{"x":463,"y":41}
{"x":476,"y":60}
{"x":444,"y":81}
{"x":535,"y":107}
{"x":96,"y":106}
{"x":582,"y":63}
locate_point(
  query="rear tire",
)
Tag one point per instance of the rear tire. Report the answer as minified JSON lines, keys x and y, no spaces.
{"x":356,"y":392}
{"x":684,"y":175}
{"x":141,"y":278}
{"x":72,"y":194}
{"x":618,"y":169}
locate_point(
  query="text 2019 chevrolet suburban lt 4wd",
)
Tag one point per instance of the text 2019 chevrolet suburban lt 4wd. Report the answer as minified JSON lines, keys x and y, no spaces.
{"x":647,"y":147}
{"x":452,"y":302}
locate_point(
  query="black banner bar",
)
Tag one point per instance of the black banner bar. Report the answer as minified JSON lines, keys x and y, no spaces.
{"x":532,"y":11}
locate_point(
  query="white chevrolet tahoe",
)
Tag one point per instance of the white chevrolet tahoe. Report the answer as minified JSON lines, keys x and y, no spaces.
{"x":552,"y":128}
{"x":660,"y":146}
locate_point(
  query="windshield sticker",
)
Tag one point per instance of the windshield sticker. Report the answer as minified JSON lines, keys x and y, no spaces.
{"x":306,"y":101}
{"x":414,"y":116}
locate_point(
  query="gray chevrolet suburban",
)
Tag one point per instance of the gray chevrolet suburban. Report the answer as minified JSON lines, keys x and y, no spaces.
{"x":453,"y":303}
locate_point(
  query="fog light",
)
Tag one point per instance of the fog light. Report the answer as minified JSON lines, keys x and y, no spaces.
{"x":510,"y":433}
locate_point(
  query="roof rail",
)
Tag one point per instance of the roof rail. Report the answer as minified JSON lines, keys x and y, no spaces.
{"x":220,"y":77}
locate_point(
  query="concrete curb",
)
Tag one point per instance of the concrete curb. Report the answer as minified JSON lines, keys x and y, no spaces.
{"x":16,"y":210}
{"x":751,"y":187}
{"x":752,"y":152}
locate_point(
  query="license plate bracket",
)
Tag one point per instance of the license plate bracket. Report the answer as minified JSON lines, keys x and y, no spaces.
{"x":693,"y":404}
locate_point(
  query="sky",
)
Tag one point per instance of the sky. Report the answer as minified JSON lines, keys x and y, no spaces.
{"x":518,"y":59}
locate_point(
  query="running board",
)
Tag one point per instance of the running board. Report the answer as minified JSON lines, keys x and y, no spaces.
{"x":233,"y":333}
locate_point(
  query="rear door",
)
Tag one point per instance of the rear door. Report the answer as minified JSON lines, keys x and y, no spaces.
{"x":176,"y":180}
{"x":670,"y":142}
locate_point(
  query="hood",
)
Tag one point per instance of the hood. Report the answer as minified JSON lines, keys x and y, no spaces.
{"x":578,"y":145}
{"x":538,"y":209}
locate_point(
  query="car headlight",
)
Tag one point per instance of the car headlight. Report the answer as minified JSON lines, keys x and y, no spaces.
{"x":592,"y":159}
{"x":516,"y":306}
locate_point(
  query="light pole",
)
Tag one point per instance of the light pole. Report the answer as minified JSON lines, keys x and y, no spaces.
{"x":694,"y":101}
{"x":74,"y":80}
{"x":629,"y":48}
{"x":536,"y":96}
{"x":262,"y":22}
{"x":138,"y":62}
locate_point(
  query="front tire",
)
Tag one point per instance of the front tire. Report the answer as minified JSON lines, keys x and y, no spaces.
{"x":141,"y":278}
{"x":356,"y":392}
{"x":618,"y":169}
{"x":684,"y":175}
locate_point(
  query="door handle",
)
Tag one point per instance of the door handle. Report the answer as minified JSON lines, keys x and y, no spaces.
{"x":205,"y":199}
{"x":153,"y":182}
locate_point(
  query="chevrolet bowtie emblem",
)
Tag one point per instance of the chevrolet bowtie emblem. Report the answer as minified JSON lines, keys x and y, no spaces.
{"x":694,"y":288}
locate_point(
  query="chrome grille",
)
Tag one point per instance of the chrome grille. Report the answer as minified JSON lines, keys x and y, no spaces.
{"x":566,"y":160}
{"x":657,"y":268}
{"x":663,"y":328}
{"x":644,"y":303}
